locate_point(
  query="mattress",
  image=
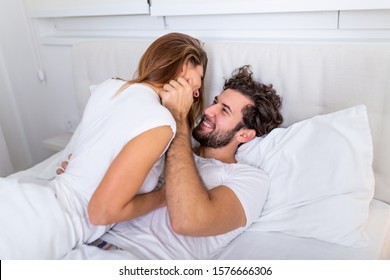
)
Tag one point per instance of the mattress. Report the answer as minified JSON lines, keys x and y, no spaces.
{"x":253,"y":244}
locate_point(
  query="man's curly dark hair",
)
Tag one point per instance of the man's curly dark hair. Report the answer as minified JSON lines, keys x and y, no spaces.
{"x":264,"y":115}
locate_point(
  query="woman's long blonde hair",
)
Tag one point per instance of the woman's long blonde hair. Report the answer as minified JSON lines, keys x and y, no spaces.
{"x":163,"y":61}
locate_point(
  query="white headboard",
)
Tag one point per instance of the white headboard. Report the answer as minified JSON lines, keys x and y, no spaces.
{"x":312,"y":78}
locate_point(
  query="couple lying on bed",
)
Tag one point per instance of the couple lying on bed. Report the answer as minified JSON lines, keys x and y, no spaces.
{"x":206,"y":199}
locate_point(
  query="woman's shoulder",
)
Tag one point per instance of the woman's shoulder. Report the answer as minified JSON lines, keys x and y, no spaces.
{"x":113,"y":82}
{"x":107,"y":86}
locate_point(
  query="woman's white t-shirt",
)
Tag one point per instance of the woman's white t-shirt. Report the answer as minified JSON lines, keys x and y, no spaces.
{"x":109,"y":122}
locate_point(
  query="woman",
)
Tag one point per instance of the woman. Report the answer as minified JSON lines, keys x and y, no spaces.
{"x":117,"y":154}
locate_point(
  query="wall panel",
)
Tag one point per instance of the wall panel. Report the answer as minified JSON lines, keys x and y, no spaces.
{"x":372,"y":19}
{"x":213,"y":7}
{"x":65,"y":8}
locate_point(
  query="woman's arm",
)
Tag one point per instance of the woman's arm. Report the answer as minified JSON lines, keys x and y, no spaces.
{"x":113,"y":200}
{"x":142,"y":204}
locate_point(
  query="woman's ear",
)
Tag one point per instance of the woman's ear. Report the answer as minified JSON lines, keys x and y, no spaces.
{"x":184,"y":69}
{"x":246,"y":135}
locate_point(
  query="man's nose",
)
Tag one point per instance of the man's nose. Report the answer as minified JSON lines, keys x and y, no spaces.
{"x":210,"y":110}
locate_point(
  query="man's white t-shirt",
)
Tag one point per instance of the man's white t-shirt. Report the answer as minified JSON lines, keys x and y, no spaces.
{"x":151,"y":236}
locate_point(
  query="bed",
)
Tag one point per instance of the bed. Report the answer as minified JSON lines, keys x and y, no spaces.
{"x":323,"y":85}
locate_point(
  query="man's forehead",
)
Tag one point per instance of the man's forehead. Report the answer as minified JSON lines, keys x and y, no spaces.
{"x":233,"y":97}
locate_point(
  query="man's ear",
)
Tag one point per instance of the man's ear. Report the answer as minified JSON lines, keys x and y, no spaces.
{"x":246,"y":135}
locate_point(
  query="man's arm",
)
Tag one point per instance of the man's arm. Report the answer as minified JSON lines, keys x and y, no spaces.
{"x":193,"y":209}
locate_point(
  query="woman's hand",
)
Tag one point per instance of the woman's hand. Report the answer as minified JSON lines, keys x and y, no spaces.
{"x":177,"y":97}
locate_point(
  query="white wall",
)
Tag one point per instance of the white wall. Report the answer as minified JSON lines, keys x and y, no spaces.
{"x":6,"y":166}
{"x":14,"y":69}
{"x":42,"y":40}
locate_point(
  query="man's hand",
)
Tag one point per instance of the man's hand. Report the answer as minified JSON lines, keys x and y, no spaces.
{"x":64,"y":165}
{"x":177,"y":97}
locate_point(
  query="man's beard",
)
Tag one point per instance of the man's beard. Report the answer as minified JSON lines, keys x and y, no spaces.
{"x":215,"y":139}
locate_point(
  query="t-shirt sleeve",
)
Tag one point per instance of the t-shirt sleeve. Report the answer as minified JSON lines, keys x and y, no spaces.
{"x":158,"y":116}
{"x":251,"y":186}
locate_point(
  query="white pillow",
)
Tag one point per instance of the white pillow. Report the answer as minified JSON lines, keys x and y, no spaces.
{"x":322,"y":179}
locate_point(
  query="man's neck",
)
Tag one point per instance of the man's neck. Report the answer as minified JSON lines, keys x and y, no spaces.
{"x":225,"y":154}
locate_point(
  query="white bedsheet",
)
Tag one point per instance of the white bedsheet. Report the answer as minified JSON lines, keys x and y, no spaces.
{"x":253,"y":244}
{"x":275,"y":245}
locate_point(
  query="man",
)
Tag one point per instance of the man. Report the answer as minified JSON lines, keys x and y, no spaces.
{"x":210,"y":198}
{"x":231,"y":120}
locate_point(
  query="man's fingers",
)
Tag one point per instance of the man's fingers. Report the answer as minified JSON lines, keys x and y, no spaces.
{"x":167,"y":87}
{"x":64,"y":164}
{"x":182,"y":82}
{"x":174,"y":84}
